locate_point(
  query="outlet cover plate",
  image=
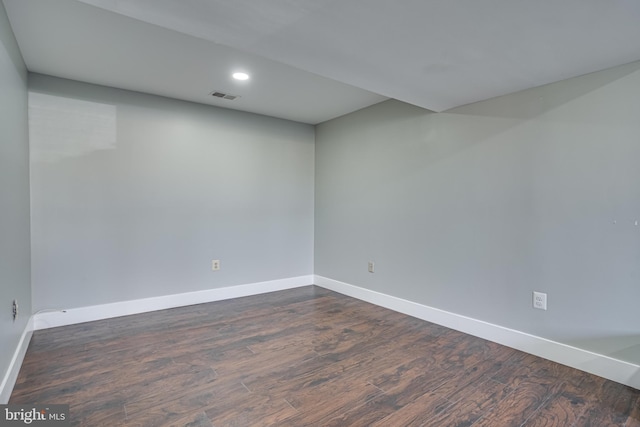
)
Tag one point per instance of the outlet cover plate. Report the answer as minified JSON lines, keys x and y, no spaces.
{"x":540,"y":300}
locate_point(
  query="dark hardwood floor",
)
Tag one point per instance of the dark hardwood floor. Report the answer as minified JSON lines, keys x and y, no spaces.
{"x":304,"y":357}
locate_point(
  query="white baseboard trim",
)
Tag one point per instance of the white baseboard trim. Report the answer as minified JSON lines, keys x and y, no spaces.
{"x":597,"y":364}
{"x":72,"y":316}
{"x":10,"y":377}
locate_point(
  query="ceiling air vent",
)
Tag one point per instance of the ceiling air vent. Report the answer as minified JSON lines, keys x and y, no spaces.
{"x":223,"y":95}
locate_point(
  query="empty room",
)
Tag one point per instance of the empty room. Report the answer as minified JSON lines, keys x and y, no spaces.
{"x":318,"y":213}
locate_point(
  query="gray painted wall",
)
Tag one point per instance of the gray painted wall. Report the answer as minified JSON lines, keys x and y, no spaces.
{"x":472,"y":209}
{"x":15,"y":273}
{"x":133,"y":195}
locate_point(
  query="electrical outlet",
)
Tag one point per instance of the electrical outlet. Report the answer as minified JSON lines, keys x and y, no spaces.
{"x":215,"y":265}
{"x":14,"y":309}
{"x":372,"y":267}
{"x":540,"y":300}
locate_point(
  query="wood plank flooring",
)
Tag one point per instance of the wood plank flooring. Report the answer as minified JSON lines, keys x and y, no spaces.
{"x":304,"y":357}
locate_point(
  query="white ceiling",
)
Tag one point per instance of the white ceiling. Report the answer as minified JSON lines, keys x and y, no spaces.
{"x":67,"y":38}
{"x":312,"y":60}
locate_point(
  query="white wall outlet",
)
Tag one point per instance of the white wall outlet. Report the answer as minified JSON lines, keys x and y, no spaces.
{"x":540,"y":300}
{"x":372,"y":267}
{"x":215,"y":265}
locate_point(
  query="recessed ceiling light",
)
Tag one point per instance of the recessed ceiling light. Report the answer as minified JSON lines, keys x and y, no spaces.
{"x":240,"y":76}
